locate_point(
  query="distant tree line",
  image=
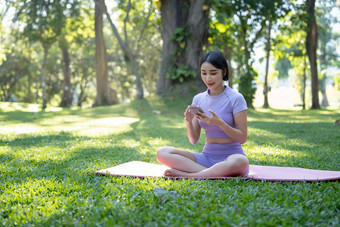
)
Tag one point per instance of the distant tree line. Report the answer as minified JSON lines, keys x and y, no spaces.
{"x":71,"y":52}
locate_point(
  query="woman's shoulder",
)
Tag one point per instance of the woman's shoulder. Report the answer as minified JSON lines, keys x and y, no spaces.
{"x":237,"y":100}
{"x":233,"y":93}
{"x":200,"y":96}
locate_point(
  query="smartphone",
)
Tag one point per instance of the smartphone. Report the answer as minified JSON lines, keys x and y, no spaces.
{"x":195,"y":109}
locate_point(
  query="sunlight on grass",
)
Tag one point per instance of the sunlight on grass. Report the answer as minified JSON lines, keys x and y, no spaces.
{"x":157,"y":141}
{"x":110,"y":122}
{"x":13,"y":106}
{"x":273,"y":155}
{"x":45,"y":158}
{"x":18,"y":129}
{"x":104,"y":126}
{"x":85,"y":127}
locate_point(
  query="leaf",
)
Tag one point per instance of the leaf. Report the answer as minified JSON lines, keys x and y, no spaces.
{"x":221,"y":27}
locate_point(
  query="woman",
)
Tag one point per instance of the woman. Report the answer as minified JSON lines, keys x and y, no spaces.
{"x":224,"y":119}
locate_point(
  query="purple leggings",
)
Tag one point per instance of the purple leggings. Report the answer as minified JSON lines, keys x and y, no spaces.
{"x":213,"y":153}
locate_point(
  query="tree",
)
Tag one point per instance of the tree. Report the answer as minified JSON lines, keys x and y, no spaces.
{"x":311,"y":47}
{"x":184,"y":30}
{"x":66,"y":98}
{"x":70,"y":31}
{"x":43,"y":22}
{"x":290,"y":51}
{"x":268,"y":47}
{"x":81,"y":42}
{"x":104,"y":90}
{"x":249,"y":20}
{"x":129,"y":52}
{"x":3,"y":50}
{"x":14,"y":68}
{"x":221,"y":37}
{"x":275,"y":11}
{"x":327,"y":39}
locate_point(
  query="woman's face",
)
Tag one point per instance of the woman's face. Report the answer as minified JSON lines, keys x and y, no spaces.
{"x":211,"y":76}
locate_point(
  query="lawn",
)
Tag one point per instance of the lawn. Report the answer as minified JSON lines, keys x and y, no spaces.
{"x":45,"y":157}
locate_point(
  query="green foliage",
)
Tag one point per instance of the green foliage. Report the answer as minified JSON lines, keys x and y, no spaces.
{"x":45,"y":158}
{"x":290,"y":51}
{"x":247,"y":86}
{"x":3,"y":49}
{"x":15,"y":67}
{"x":146,"y":48}
{"x":77,"y":35}
{"x":181,"y":73}
{"x":327,"y":39}
{"x":337,"y":81}
{"x":282,"y":66}
{"x":181,"y":36}
{"x":74,"y":21}
{"x":236,"y":27}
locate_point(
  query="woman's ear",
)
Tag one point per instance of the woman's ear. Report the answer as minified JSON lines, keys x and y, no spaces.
{"x":224,"y":74}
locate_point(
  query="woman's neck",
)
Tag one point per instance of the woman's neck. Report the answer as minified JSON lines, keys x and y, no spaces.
{"x":217,"y":91}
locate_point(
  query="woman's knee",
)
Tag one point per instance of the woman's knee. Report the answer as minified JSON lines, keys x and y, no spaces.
{"x":239,"y":162}
{"x":163,"y":152}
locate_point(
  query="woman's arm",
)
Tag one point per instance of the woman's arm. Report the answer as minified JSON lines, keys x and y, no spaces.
{"x":239,"y":133}
{"x":193,"y":128}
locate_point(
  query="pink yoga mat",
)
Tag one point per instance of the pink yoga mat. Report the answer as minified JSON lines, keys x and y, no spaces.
{"x":257,"y":172}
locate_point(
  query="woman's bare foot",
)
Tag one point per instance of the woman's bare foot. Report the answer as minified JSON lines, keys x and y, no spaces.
{"x":176,"y":173}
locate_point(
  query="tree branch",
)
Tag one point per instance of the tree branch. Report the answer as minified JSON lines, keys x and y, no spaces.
{"x":124,"y":45}
{"x":258,"y":35}
{"x":126,"y":19}
{"x":143,"y":28}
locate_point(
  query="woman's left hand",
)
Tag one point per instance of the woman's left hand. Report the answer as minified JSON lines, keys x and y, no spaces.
{"x":213,"y":120}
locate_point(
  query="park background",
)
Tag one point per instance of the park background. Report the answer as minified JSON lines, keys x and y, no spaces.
{"x":84,"y":88}
{"x":69,"y":53}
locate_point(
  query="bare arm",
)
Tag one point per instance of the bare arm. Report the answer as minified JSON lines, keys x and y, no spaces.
{"x":193,"y":128}
{"x":239,"y":133}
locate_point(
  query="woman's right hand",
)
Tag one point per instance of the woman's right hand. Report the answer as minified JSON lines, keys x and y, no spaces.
{"x":188,"y":115}
{"x":193,"y":128}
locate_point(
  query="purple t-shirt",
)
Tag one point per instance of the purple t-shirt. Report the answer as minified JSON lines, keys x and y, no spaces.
{"x":226,"y":104}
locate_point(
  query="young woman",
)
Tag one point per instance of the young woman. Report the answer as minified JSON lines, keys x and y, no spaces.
{"x":224,"y":119}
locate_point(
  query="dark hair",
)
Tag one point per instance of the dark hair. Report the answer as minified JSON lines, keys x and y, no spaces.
{"x":217,"y":59}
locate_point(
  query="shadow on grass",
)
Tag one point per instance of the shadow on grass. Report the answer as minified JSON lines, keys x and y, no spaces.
{"x":27,"y":140}
{"x":31,"y":116}
{"x":307,"y":145}
{"x":79,"y":163}
{"x":293,"y":115}
{"x":314,"y":137}
{"x":310,"y":133}
{"x":88,"y":158}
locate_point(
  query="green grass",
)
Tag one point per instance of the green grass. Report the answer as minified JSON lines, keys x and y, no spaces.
{"x":45,"y":158}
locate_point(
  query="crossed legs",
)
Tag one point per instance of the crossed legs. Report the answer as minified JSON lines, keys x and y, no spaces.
{"x":182,"y":163}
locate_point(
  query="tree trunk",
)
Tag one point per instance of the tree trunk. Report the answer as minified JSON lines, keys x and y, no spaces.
{"x":304,"y":84}
{"x":126,"y":49}
{"x":85,"y":79}
{"x":198,"y":24}
{"x":28,"y":97}
{"x":323,"y":85}
{"x":103,"y":87}
{"x":66,"y":99}
{"x":246,"y":78}
{"x":311,"y":46}
{"x":193,"y":15}
{"x":168,"y":27}
{"x":324,"y":101}
{"x":43,"y":77}
{"x":227,"y":53}
{"x":265,"y":90}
